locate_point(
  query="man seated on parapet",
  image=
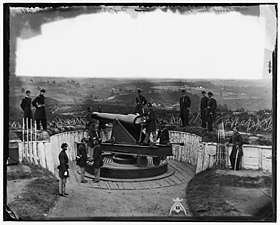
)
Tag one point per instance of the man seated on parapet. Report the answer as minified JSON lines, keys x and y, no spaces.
{"x":163,"y":133}
{"x":237,"y":152}
{"x":150,"y":120}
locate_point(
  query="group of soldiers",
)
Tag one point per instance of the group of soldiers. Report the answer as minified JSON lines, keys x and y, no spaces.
{"x":208,"y":106}
{"x":90,"y":147}
{"x":149,"y":121}
{"x":40,"y":112}
{"x":95,"y":160}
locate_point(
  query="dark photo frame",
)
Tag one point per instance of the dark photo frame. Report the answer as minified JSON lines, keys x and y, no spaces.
{"x":115,"y":52}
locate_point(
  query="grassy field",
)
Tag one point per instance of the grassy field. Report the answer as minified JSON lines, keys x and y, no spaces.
{"x":206,"y":194}
{"x":40,"y":193}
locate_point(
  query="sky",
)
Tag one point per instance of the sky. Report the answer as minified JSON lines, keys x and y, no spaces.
{"x":147,"y":45}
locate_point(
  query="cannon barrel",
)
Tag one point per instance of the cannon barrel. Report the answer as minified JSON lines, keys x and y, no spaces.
{"x":126,"y":128}
{"x":130,"y":119}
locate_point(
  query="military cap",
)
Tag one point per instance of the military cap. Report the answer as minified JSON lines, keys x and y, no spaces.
{"x":83,"y":139}
{"x":164,"y":122}
{"x":138,"y":91}
{"x":64,"y":145}
{"x":97,"y":139}
{"x":203,"y":92}
{"x":43,"y":90}
{"x":210,"y":93}
{"x":183,"y":91}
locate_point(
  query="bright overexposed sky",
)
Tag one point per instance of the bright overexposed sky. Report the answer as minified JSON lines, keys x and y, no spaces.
{"x":147,"y":45}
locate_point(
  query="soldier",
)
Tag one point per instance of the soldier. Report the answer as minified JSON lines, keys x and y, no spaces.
{"x":163,"y":134}
{"x":237,"y":152}
{"x":40,"y":113}
{"x":203,"y":108}
{"x":211,"y":111}
{"x":150,"y":125}
{"x":92,"y":126}
{"x":140,"y":103}
{"x":27,"y":112}
{"x":63,"y":170}
{"x":82,"y":159}
{"x":97,"y":159}
{"x":102,"y":127}
{"x":185,"y":104}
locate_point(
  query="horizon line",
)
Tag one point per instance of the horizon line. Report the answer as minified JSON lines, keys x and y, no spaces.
{"x":138,"y":78}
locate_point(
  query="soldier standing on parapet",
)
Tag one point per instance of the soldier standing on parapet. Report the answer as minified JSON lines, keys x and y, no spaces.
{"x":40,"y":113}
{"x":185,"y":104}
{"x":140,"y":103}
{"x":26,"y":107}
{"x":211,"y":111}
{"x":203,"y":108}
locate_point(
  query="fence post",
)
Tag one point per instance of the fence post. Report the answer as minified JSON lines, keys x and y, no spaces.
{"x":23,"y":147}
{"x":28,"y":142}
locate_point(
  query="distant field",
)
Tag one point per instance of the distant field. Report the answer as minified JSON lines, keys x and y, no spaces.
{"x":69,"y":98}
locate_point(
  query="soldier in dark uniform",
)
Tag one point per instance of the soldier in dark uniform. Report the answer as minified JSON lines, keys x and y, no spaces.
{"x":185,"y":104}
{"x":27,"y":112}
{"x":163,"y":134}
{"x":97,"y":159}
{"x":40,"y":113}
{"x":63,"y":170}
{"x":140,"y":103}
{"x":92,"y":126}
{"x":237,"y":152}
{"x":211,"y":111}
{"x":150,"y":119}
{"x":82,"y":159}
{"x":203,"y":108}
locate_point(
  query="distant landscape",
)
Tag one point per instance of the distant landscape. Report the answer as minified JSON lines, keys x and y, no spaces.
{"x":69,"y":97}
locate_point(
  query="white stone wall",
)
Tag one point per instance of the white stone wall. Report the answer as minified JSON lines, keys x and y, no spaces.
{"x":45,"y":153}
{"x":189,"y":151}
{"x":194,"y":152}
{"x":203,"y":154}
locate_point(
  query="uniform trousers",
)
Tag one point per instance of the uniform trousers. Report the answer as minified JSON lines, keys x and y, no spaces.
{"x":148,"y":134}
{"x":82,"y":173}
{"x":62,"y":185}
{"x":44,"y":124}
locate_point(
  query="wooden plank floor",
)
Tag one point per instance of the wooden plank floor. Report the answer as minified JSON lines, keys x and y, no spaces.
{"x":183,"y":173}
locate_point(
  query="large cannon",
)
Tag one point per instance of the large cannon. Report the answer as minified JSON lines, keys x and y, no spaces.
{"x":126,"y":136}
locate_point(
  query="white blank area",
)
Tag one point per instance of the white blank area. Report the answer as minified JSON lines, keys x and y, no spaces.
{"x":153,"y":45}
